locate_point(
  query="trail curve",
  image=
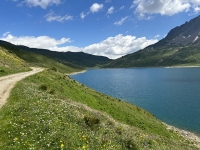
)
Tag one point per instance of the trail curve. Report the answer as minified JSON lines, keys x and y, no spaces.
{"x":8,"y":82}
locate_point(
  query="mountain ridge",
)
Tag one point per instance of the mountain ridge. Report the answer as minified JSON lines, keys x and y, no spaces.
{"x":184,"y":34}
{"x":72,"y":59}
{"x":30,"y":59}
{"x":181,"y":47}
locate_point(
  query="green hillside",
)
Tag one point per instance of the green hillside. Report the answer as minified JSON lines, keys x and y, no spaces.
{"x":52,"y":111}
{"x":34,"y":59}
{"x":10,"y":63}
{"x":160,"y":56}
{"x":72,"y":59}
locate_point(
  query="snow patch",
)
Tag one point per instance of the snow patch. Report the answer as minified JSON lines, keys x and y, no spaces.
{"x":195,"y":39}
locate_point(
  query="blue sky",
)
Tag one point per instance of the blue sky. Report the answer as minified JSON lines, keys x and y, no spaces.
{"x":111,"y":28}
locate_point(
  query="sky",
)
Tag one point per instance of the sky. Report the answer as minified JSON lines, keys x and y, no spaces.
{"x":111,"y":28}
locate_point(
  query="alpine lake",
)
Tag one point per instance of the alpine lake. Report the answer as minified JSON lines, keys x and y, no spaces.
{"x":170,"y":94}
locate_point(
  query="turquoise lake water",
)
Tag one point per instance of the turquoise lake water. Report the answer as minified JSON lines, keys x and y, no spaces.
{"x":170,"y":94}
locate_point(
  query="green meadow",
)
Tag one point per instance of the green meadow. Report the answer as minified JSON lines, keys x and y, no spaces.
{"x":10,"y":63}
{"x":51,"y":111}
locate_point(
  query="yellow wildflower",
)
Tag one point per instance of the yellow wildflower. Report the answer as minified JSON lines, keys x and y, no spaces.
{"x":84,"y":147}
{"x":62,"y":145}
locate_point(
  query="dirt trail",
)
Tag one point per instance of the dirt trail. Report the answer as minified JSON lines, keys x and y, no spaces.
{"x":8,"y":82}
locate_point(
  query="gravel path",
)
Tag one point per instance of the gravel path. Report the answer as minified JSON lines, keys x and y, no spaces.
{"x":8,"y":82}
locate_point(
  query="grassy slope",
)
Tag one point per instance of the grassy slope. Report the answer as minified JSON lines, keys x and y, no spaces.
{"x":160,"y":56}
{"x":72,"y":59}
{"x":10,"y":63}
{"x":38,"y":60}
{"x":52,"y":111}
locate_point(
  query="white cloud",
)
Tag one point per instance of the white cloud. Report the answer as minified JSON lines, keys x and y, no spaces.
{"x":42,"y":3}
{"x":5,"y":34}
{"x":107,"y":1}
{"x":112,"y":47}
{"x":51,"y":16}
{"x":96,"y":7}
{"x":83,"y":15}
{"x":66,"y":49}
{"x":35,"y":42}
{"x":110,"y":10}
{"x":93,"y":9}
{"x":164,"y":7}
{"x":118,"y":23}
{"x":196,"y":9}
{"x":157,"y":36}
{"x":115,"y":47}
{"x":121,"y":8}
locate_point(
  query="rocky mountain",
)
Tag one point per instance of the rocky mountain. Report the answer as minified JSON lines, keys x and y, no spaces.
{"x":72,"y":59}
{"x":181,"y":46}
{"x":188,"y":33}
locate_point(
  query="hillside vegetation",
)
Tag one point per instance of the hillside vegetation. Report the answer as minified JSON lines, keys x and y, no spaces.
{"x":181,"y":47}
{"x":71,"y":59}
{"x":161,"y":56}
{"x":34,"y":59}
{"x":52,"y":111}
{"x":10,"y":63}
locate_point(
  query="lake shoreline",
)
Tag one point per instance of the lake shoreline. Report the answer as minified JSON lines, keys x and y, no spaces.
{"x":74,"y":73}
{"x":183,"y":67}
{"x":186,"y":134}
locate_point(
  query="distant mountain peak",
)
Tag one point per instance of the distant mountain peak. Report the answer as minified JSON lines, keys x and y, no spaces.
{"x":186,"y":34}
{"x":181,"y":47}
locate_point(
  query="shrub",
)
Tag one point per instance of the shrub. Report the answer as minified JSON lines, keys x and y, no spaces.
{"x":54,"y":69}
{"x":92,"y":122}
{"x":43,"y":87}
{"x":1,"y":70}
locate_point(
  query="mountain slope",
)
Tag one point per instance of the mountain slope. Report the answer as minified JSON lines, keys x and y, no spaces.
{"x":186,"y":34}
{"x":10,"y":63}
{"x":180,"y":47}
{"x":33,"y":59}
{"x":73,"y":59}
